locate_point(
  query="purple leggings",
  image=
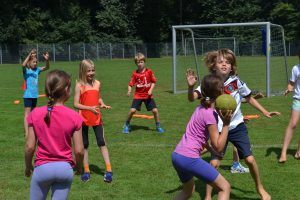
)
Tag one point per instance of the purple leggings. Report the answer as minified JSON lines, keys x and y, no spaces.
{"x":187,"y":168}
{"x":55,"y":175}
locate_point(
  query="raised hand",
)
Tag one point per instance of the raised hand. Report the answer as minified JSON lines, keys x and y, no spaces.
{"x":191,"y":77}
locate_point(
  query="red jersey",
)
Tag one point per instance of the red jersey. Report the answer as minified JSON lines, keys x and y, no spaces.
{"x":142,"y":82}
{"x":89,"y":96}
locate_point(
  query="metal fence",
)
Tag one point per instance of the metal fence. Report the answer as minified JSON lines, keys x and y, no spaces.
{"x":74,"y":52}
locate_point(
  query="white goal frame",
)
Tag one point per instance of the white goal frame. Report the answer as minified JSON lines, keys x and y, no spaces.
{"x":267,"y":26}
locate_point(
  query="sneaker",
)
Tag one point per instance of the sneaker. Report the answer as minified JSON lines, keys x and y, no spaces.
{"x":108,"y":177}
{"x":160,"y":129}
{"x":126,"y":129}
{"x":238,"y":168}
{"x":85,"y":177}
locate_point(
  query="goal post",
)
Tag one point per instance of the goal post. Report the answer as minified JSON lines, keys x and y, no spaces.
{"x":260,"y":44}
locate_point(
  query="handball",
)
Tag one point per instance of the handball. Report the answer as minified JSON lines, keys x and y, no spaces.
{"x":225,"y":102}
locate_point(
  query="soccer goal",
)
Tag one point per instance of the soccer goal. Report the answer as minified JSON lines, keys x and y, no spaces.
{"x":259,"y":47}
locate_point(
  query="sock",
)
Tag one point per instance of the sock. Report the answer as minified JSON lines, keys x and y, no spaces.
{"x":86,"y":168}
{"x":127,"y":123}
{"x":108,"y":167}
{"x":235,"y":163}
{"x":157,"y":124}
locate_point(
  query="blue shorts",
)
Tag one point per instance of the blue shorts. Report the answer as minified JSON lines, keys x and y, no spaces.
{"x":187,"y":168}
{"x":296,"y":105}
{"x":30,"y":102}
{"x":239,"y":138}
{"x":149,"y":103}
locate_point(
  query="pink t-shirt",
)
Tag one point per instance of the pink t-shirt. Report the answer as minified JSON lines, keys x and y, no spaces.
{"x":196,"y":134}
{"x":54,"y":142}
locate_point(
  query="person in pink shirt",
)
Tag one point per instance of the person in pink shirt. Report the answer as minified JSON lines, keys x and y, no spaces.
{"x":52,"y":131}
{"x":202,"y":127}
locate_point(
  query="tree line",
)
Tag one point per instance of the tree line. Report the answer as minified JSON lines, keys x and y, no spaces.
{"x":72,"y":21}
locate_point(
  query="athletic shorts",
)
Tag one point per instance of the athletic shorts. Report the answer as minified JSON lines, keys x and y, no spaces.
{"x":149,"y":103}
{"x":296,"y":105}
{"x":30,"y":102}
{"x":239,"y":138}
{"x":187,"y":168}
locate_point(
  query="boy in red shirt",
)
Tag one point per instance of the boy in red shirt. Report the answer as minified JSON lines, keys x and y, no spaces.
{"x":144,"y":81}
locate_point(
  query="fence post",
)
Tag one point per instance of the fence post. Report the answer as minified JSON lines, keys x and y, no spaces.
{"x":69,"y":53}
{"x":53,"y":50}
{"x":134,"y":50}
{"x":37,"y":50}
{"x":1,"y":54}
{"x":97,"y":51}
{"x":83,"y":50}
{"x":110,"y":51}
{"x":123,"y":50}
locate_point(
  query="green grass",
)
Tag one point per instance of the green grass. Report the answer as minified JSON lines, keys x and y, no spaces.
{"x":141,"y":161}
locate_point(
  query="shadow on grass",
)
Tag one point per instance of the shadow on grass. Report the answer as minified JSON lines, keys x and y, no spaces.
{"x":95,"y":169}
{"x":200,"y":187}
{"x":245,"y":193}
{"x":277,"y":151}
{"x":136,"y":127}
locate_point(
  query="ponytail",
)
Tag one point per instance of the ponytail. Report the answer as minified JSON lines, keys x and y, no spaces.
{"x":49,"y":109}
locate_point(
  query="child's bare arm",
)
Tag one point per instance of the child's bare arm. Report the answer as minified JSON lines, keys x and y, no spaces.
{"x":290,"y":88}
{"x":253,"y":102}
{"x":78,"y":105}
{"x":129,"y":90}
{"x":191,"y":80}
{"x":150,"y":92}
{"x":29,"y":56}
{"x":46,"y":57}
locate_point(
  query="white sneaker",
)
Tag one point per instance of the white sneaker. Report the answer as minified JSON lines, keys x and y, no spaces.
{"x":238,"y":168}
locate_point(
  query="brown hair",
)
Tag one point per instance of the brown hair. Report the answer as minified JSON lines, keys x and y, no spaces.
{"x":211,"y":88}
{"x":211,"y":59}
{"x":138,"y":57}
{"x":57,"y":88}
{"x":83,"y":67}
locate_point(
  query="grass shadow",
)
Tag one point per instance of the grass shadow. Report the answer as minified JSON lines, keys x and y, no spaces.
{"x":245,"y":196}
{"x":136,"y":127}
{"x":277,"y":151}
{"x":95,"y":169}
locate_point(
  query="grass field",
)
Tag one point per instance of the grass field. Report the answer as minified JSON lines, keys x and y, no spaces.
{"x":141,"y":160}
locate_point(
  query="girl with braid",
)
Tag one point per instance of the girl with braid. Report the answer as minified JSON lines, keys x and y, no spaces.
{"x":88,"y":101}
{"x":53,"y":129}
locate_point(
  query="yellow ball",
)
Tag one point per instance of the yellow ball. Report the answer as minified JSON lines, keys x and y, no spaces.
{"x":225,"y":102}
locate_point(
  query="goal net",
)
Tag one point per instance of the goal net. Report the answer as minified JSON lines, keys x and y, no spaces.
{"x":259,"y":47}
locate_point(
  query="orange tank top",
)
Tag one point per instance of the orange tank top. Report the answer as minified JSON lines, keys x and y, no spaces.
{"x":89,"y":96}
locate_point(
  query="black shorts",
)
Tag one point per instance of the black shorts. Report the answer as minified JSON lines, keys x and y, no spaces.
{"x":99,"y":133}
{"x":149,"y":103}
{"x":30,"y":102}
{"x":239,"y":138}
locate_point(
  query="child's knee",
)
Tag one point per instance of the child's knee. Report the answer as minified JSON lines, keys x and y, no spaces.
{"x":155,"y":111}
{"x":215,"y":163}
{"x":250,"y":160}
{"x":132,"y":110}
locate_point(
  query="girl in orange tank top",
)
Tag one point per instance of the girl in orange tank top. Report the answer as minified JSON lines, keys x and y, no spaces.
{"x":88,"y":101}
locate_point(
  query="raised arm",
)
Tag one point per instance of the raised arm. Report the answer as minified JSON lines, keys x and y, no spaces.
{"x":46,"y":57}
{"x":218,"y":141}
{"x":78,"y":105}
{"x":191,"y":81}
{"x":29,"y":151}
{"x":31,"y":54}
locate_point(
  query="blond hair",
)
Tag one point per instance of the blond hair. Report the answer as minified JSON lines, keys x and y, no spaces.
{"x":83,"y":68}
{"x":138,"y":57}
{"x":211,"y":59}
